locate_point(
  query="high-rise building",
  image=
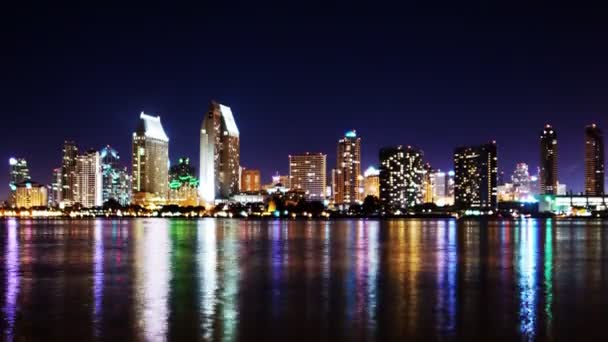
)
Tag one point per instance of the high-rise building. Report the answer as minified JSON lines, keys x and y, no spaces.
{"x":443,"y":187}
{"x":371,"y":182}
{"x":89,"y":180}
{"x":475,"y":177}
{"x":307,"y":173}
{"x":219,"y":154}
{"x":250,"y":180}
{"x":183,"y":184}
{"x":548,"y":161}
{"x":521,"y":182}
{"x":29,"y":194}
{"x":150,"y":161}
{"x":401,"y":177}
{"x":428,"y":184}
{"x":54,"y":191}
{"x":68,"y":172}
{"x":594,"y":161}
{"x":18,"y":172}
{"x":348,"y":185}
{"x":116,"y":179}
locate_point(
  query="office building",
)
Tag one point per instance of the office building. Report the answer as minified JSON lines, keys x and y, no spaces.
{"x":29,"y":194}
{"x":183,"y":184}
{"x":594,"y":161}
{"x":348,"y":185}
{"x":250,"y":180}
{"x":88,"y":187}
{"x":18,"y":172}
{"x":115,"y":177}
{"x":475,"y":176}
{"x":68,"y":172}
{"x":54,"y":189}
{"x":371,"y":182}
{"x":548,"y":161}
{"x":428,"y":184}
{"x":150,"y":162}
{"x":219,"y":154}
{"x":307,"y":173}
{"x":401,"y":177}
{"x":520,"y":180}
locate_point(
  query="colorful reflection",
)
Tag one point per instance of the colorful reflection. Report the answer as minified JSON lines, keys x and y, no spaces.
{"x":207,"y":265}
{"x":11,"y":278}
{"x":152,"y":277}
{"x":527,"y":268}
{"x":98,"y":276}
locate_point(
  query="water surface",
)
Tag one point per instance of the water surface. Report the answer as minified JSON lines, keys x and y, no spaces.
{"x":364,"y":280}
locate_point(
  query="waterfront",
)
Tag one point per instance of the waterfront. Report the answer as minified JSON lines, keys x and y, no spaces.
{"x":150,"y":279}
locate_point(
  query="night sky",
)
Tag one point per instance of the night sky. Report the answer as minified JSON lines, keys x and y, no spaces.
{"x":298,"y":75}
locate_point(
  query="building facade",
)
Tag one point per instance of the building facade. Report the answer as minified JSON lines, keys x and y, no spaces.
{"x":183,"y":184}
{"x":594,"y":161}
{"x":371,"y":182}
{"x":150,"y":161}
{"x":548,"y":161}
{"x":30,"y":194}
{"x":18,"y":172}
{"x":521,"y":182}
{"x":250,"y":180}
{"x":348,"y":187}
{"x":115,"y":178}
{"x":68,"y":172}
{"x":443,"y":187}
{"x":475,"y":176}
{"x":307,"y":173}
{"x":89,"y":180}
{"x":401,"y":177}
{"x":219,"y":154}
{"x":54,"y":190}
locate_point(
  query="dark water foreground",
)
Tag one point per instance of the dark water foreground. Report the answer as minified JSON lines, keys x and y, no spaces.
{"x":318,"y":280}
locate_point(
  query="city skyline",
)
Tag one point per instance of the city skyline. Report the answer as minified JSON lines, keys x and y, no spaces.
{"x":438,"y":83}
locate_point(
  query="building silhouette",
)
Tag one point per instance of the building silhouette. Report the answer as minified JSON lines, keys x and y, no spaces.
{"x":548,"y":161}
{"x":401,"y":177}
{"x":348,"y":187}
{"x":594,"y":161}
{"x":475,"y":176}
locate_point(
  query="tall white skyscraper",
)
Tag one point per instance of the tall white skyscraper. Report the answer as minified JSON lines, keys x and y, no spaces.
{"x":150,"y":161}
{"x":88,"y":180}
{"x":219,"y":154}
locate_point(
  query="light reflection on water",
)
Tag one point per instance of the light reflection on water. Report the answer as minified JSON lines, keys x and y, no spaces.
{"x":303,"y":280}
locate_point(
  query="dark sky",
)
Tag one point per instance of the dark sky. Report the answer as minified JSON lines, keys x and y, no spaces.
{"x":298,"y":74}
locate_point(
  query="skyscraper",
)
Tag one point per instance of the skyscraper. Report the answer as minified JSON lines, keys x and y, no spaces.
{"x":68,"y":172}
{"x":250,"y":180}
{"x":349,"y":182}
{"x":594,"y":161}
{"x":521,"y":181}
{"x":307,"y":172}
{"x":443,"y":187}
{"x":428,"y":184}
{"x":548,"y":161}
{"x":18,"y":172}
{"x":475,"y":177}
{"x":88,"y":180}
{"x":401,"y":177}
{"x":219,"y":154}
{"x":372,"y":182}
{"x":116,"y":180}
{"x":55,"y":190}
{"x":150,"y":161}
